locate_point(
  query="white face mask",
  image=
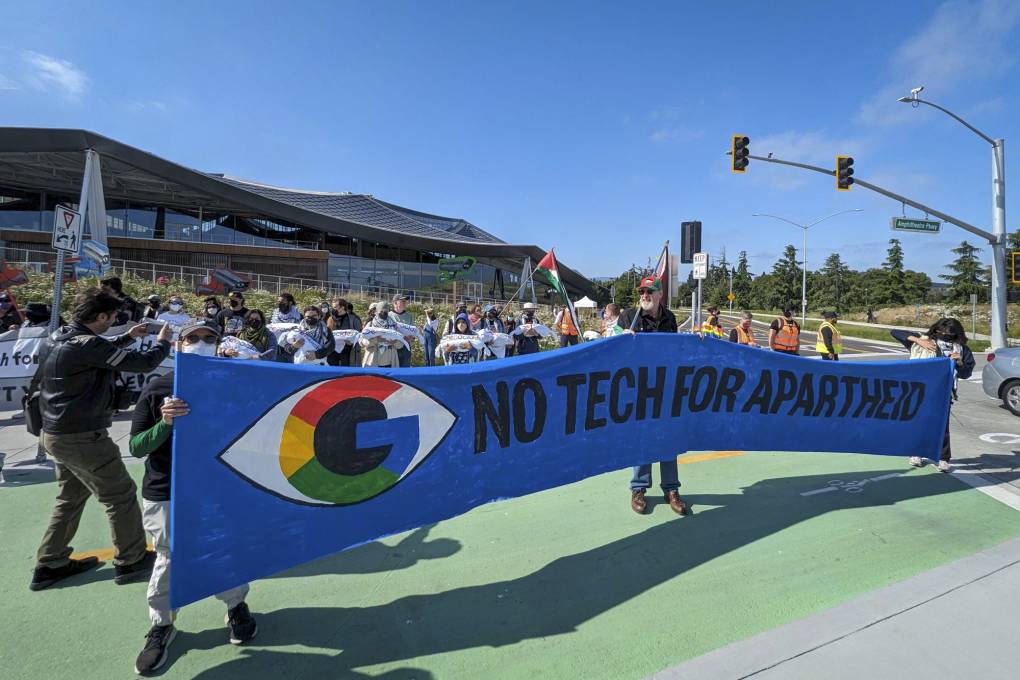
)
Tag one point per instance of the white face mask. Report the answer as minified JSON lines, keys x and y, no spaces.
{"x":175,"y":306}
{"x":202,"y":349}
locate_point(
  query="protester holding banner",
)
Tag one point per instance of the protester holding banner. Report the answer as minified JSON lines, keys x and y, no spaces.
{"x":151,"y":430}
{"x":452,"y":321}
{"x":460,"y":346}
{"x":401,"y":314}
{"x":510,"y":324}
{"x":381,"y":351}
{"x":526,"y":342}
{"x":76,"y":386}
{"x":652,"y":317}
{"x":37,"y":314}
{"x":231,"y":320}
{"x":313,"y":333}
{"x":743,"y":333}
{"x":256,"y":333}
{"x":342,"y":318}
{"x":945,"y":338}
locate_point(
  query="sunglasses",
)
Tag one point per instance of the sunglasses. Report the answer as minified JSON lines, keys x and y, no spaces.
{"x":195,"y":338}
{"x":646,"y":291}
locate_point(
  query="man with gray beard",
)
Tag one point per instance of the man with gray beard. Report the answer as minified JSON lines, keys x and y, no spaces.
{"x":652,"y":317}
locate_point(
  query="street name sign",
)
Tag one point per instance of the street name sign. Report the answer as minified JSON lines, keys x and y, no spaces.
{"x":66,"y":229}
{"x":700,"y":266}
{"x":917,"y":226}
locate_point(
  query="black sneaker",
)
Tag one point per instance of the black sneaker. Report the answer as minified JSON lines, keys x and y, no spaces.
{"x":44,"y":577}
{"x":157,"y":646}
{"x":241,"y":624}
{"x":137,"y":571}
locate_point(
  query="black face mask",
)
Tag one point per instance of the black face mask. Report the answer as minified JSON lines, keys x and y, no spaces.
{"x":311,"y":320}
{"x":235,"y":303}
{"x":283,"y":306}
{"x":254,"y":323}
{"x":529,"y":316}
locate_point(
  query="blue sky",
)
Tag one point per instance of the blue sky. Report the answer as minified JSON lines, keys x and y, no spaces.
{"x":593,"y":127}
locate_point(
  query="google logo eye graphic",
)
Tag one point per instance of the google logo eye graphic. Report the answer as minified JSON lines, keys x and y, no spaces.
{"x":340,"y":441}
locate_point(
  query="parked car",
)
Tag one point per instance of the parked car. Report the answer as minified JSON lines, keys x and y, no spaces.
{"x":1000,"y":378}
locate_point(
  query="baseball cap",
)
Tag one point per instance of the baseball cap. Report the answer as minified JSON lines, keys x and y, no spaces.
{"x":196,"y":324}
{"x":650,"y":282}
{"x":400,"y":296}
{"x":830,"y":315}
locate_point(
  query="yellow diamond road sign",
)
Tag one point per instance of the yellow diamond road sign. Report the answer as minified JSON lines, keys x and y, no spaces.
{"x":731,"y":297}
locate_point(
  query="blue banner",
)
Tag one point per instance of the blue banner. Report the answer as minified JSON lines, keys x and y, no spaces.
{"x":277,"y":465}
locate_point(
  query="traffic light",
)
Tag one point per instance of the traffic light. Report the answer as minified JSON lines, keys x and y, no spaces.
{"x":690,"y":241}
{"x":739,"y":152}
{"x":844,"y":172}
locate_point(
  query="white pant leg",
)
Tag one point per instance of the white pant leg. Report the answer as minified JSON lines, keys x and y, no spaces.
{"x":234,"y":596}
{"x":156,"y":520}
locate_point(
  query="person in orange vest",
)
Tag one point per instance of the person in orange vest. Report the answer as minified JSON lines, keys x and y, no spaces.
{"x":784,"y":334}
{"x":743,"y":333}
{"x":565,"y":327}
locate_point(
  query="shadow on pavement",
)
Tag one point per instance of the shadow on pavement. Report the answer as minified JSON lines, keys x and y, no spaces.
{"x":377,"y":557}
{"x":557,"y":598}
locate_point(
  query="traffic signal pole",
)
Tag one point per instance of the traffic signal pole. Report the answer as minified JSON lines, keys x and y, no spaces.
{"x":996,"y":240}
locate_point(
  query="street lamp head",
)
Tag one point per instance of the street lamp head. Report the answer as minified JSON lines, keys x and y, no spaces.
{"x":916,"y":91}
{"x":904,"y":100}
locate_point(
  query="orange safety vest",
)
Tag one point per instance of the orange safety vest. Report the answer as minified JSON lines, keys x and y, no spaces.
{"x":567,"y":326}
{"x":745,"y":337}
{"x":787,"y":338}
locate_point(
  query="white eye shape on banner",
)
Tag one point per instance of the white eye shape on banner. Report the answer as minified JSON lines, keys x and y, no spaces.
{"x":340,"y":441}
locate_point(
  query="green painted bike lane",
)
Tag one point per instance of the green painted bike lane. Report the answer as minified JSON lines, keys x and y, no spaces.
{"x":564,"y":583}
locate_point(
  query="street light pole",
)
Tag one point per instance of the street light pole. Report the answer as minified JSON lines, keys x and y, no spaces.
{"x":998,"y":240}
{"x":805,"y":227}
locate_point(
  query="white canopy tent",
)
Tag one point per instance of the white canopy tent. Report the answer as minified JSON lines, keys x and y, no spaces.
{"x":585,"y":303}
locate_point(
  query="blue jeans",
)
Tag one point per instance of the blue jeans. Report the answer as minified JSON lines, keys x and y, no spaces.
{"x":642,"y":478}
{"x":430,"y":348}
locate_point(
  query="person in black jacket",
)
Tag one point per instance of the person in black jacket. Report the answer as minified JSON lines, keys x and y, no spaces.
{"x":652,"y":317}
{"x":151,"y":430}
{"x":945,"y":338}
{"x":10,"y":316}
{"x":76,"y":387}
{"x":130,"y":310}
{"x":342,"y":317}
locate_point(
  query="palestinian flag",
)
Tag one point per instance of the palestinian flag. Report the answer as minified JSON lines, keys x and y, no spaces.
{"x":548,"y":271}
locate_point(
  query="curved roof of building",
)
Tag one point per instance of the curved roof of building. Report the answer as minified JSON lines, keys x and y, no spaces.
{"x":51,"y":160}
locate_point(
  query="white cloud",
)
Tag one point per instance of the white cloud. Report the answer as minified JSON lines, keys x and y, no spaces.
{"x":49,"y":73}
{"x":963,"y":41}
{"x":8,"y":84}
{"x":148,"y":105}
{"x":815,"y":148}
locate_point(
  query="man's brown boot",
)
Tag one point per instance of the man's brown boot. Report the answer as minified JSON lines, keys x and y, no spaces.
{"x":637,"y":501}
{"x":677,"y":503}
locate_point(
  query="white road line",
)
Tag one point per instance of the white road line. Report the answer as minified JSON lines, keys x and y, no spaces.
{"x":1001,"y":491}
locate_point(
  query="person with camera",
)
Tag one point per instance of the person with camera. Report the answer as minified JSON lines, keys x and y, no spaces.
{"x":75,"y":378}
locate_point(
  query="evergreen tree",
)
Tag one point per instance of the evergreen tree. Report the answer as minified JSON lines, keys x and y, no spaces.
{"x":742,"y":282}
{"x":832,"y":284}
{"x":787,"y":273}
{"x":968,"y":275}
{"x":893,"y":267}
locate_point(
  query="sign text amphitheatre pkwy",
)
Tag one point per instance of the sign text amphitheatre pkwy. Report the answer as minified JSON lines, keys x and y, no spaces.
{"x":919,"y":226}
{"x":593,"y":400}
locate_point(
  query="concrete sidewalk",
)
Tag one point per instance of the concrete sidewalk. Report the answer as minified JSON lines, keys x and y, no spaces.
{"x":955,"y":621}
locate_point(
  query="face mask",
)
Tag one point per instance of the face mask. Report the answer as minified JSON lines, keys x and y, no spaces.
{"x":529,"y":316}
{"x":212,"y":311}
{"x":311,"y":320}
{"x":235,"y":303}
{"x":283,"y":306}
{"x":175,"y":306}
{"x":254,"y":323}
{"x":202,"y":349}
